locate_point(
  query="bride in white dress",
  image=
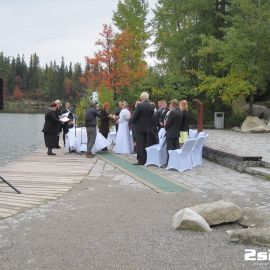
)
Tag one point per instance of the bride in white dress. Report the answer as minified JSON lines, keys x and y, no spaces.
{"x":124,"y":142}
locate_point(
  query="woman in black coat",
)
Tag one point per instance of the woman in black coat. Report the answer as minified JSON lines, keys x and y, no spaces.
{"x":104,"y":123}
{"x":51,"y":128}
{"x":183,"y":105}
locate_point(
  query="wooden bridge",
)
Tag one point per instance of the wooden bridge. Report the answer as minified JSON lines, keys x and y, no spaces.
{"x":40,"y":178}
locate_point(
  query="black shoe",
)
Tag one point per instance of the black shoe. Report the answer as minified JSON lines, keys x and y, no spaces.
{"x":51,"y":154}
{"x":58,"y":147}
{"x":138,"y":163}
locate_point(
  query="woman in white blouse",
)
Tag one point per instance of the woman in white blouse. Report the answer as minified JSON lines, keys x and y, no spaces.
{"x":124,"y":142}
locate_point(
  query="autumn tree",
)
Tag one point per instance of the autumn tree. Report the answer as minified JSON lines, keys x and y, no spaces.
{"x":110,"y":65}
{"x":130,"y":17}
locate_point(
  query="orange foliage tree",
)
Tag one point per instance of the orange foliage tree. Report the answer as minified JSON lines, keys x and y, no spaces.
{"x":113,"y":65}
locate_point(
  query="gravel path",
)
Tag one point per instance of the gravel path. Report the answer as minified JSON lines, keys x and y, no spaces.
{"x":110,"y":221}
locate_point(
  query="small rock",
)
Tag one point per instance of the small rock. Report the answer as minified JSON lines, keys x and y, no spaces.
{"x":187,"y":219}
{"x":218,"y":212}
{"x":254,"y":124}
{"x":254,"y":218}
{"x":237,"y":129}
{"x":251,"y":236}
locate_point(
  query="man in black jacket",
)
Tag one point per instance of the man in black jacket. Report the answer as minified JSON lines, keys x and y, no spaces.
{"x":141,"y":120}
{"x":67,"y":125}
{"x":162,"y":114}
{"x":173,"y":126}
{"x":91,"y":128}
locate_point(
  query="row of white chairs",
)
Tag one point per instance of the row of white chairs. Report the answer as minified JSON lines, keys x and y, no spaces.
{"x":189,"y":156}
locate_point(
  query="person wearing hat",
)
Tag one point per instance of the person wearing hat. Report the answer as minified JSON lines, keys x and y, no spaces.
{"x":51,"y":128}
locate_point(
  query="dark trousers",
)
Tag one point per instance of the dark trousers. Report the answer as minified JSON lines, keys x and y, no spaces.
{"x":91,"y":138}
{"x":64,"y":137}
{"x":172,"y":143}
{"x":142,"y":141}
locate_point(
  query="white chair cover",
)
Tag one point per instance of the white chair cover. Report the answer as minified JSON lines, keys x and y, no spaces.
{"x":192,"y":134}
{"x":180,"y":159}
{"x":79,"y":142}
{"x":112,"y":137}
{"x":161,"y":133}
{"x":196,"y":152}
{"x":157,"y":153}
{"x":201,"y":134}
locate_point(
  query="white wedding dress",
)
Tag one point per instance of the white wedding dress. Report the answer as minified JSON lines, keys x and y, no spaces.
{"x":124,"y":142}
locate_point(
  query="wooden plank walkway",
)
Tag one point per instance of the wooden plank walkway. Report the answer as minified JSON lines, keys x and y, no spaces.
{"x":40,"y":178}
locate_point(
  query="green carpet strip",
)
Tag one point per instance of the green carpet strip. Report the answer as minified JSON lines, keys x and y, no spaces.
{"x":147,"y":177}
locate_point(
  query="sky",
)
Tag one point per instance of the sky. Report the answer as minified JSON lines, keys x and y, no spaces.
{"x":54,"y":28}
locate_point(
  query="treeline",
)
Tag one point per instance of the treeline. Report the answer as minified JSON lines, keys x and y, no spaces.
{"x":31,"y":81}
{"x":214,"y":50}
{"x":217,"y":50}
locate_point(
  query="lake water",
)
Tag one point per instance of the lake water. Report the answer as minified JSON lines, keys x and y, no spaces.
{"x":19,"y":134}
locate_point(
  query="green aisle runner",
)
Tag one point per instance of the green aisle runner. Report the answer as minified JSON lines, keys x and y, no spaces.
{"x":141,"y":173}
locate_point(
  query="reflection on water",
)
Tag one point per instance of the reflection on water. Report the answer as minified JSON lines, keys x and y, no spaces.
{"x":19,"y":134}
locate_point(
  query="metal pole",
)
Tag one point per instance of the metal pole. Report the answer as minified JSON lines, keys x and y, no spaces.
{"x":5,"y":181}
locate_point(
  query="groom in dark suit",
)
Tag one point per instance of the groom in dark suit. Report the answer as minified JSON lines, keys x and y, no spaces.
{"x":141,"y":120}
{"x":173,"y":126}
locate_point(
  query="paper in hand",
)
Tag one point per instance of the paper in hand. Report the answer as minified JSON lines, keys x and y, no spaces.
{"x":64,"y":119}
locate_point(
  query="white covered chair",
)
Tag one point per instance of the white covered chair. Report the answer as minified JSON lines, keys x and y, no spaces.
{"x":192,"y":134}
{"x":157,"y":153}
{"x":77,"y":140}
{"x":196,"y":152}
{"x":201,"y":134}
{"x":112,"y":137}
{"x":70,"y":140}
{"x":180,"y":159}
{"x":161,"y":133}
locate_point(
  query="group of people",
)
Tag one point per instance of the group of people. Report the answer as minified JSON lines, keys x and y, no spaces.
{"x":53,"y":125}
{"x":145,"y":122}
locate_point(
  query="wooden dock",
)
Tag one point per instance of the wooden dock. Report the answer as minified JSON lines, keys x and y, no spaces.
{"x":40,"y":178}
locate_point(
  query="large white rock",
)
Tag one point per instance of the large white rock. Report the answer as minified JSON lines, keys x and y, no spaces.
{"x":254,"y":218}
{"x":251,"y":236}
{"x":254,"y":124}
{"x":218,"y":212}
{"x":187,"y":219}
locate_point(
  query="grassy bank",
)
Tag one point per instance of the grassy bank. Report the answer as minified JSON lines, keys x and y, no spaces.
{"x":24,"y":106}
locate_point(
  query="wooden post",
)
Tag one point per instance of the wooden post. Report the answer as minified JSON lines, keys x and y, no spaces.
{"x":200,"y":114}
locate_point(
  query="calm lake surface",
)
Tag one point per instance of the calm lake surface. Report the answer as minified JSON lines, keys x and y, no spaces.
{"x":19,"y":134}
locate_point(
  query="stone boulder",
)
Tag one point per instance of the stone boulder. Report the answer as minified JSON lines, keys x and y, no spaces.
{"x":266,"y":115}
{"x":258,"y":110}
{"x":218,"y":212}
{"x":254,"y":218}
{"x":251,"y":236}
{"x":187,"y":219}
{"x":254,"y":124}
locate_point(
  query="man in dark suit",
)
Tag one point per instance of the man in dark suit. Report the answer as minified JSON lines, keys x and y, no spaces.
{"x":67,"y":125}
{"x":163,"y":113}
{"x":173,"y":126}
{"x":91,"y":127}
{"x":141,"y":120}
